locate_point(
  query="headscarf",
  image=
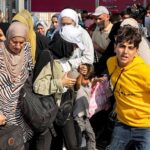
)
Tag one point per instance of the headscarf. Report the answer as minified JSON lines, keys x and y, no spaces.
{"x":60,"y":48}
{"x":73,"y":35}
{"x":54,"y":16}
{"x":70,"y":13}
{"x":44,"y":24}
{"x":17,"y":29}
{"x":14,"y":62}
{"x":25,"y":17}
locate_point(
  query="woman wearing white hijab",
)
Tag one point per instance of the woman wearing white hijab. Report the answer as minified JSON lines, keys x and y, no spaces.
{"x":15,"y":63}
{"x":81,"y":55}
{"x":72,"y":32}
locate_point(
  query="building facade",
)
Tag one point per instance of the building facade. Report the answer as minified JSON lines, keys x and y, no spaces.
{"x":58,"y":5}
{"x":11,"y":7}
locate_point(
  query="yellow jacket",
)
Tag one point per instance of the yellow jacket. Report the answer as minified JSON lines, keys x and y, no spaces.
{"x":132,"y":92}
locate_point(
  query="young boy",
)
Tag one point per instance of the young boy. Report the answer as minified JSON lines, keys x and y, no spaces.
{"x":81,"y":106}
{"x":131,"y":84}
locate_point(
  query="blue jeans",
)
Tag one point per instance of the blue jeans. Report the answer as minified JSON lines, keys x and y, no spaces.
{"x":123,"y":134}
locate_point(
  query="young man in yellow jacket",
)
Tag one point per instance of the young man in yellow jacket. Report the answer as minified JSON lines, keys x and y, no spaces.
{"x":130,"y":80}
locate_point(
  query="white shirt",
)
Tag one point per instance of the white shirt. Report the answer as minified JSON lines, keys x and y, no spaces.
{"x":85,"y":56}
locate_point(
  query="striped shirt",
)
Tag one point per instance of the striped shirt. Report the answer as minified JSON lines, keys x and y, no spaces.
{"x":9,"y":91}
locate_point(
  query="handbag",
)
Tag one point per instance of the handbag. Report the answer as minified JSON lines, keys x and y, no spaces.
{"x":11,"y":138}
{"x":38,"y":110}
{"x":99,"y":99}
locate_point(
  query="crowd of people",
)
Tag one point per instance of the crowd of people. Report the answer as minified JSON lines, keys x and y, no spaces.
{"x":86,"y":49}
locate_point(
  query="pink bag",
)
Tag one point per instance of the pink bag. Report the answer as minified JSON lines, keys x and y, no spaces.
{"x":99,"y":99}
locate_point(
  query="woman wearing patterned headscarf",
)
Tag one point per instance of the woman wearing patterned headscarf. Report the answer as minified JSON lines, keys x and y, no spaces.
{"x":15,"y":63}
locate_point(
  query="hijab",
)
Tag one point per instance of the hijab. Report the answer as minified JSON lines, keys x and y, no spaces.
{"x":60,"y":48}
{"x":44,"y":24}
{"x":14,"y":62}
{"x":72,"y":34}
{"x":17,"y":29}
{"x":70,"y":13}
{"x":25,"y":17}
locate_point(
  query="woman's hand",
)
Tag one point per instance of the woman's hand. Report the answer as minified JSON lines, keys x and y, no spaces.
{"x":68,"y":82}
{"x":2,"y":119}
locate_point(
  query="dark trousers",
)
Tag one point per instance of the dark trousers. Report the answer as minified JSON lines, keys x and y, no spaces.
{"x":67,"y":134}
{"x":41,"y":141}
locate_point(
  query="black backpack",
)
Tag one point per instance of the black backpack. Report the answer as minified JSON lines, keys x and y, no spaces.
{"x":38,"y":110}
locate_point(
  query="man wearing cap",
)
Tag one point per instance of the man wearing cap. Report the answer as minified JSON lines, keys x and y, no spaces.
{"x":100,"y":35}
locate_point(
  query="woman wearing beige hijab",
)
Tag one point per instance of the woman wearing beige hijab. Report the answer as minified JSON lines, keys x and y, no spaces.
{"x":15,"y":63}
{"x":25,"y":17}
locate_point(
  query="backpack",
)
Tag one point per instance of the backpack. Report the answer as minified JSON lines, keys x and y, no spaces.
{"x":39,"y":111}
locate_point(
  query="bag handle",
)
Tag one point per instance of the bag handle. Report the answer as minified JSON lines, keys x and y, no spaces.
{"x":113,"y":114}
{"x":117,"y":78}
{"x":44,"y":58}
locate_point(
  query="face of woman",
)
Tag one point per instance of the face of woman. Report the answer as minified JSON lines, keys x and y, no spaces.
{"x":67,"y":21}
{"x":55,"y":22}
{"x":41,"y":29}
{"x":16,"y":44}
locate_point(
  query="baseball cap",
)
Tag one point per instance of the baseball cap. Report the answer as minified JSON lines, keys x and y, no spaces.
{"x":100,"y":10}
{"x":130,"y":21}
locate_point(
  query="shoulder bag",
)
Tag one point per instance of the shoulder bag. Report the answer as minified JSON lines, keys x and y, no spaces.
{"x":39,"y":111}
